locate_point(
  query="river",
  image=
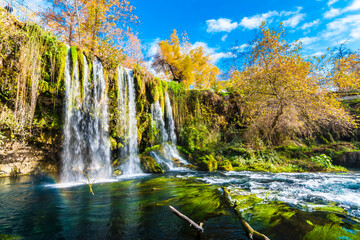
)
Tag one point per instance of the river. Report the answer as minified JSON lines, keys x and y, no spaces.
{"x":282,"y":206}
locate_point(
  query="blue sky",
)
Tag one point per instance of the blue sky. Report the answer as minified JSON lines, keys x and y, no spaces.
{"x":219,"y":25}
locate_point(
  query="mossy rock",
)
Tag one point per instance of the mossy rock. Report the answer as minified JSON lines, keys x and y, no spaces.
{"x":117,"y":172}
{"x":226,"y":166}
{"x":207,"y":163}
{"x":190,"y":166}
{"x":113,"y":143}
{"x":149,"y":165}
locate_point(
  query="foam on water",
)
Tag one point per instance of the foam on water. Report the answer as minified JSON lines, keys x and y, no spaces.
{"x":306,"y":190}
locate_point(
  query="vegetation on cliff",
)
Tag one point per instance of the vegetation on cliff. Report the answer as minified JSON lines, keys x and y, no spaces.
{"x":274,"y":114}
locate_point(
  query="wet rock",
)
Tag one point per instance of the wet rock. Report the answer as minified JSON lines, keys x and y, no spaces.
{"x":20,"y":159}
{"x":149,"y":165}
{"x":348,"y":159}
{"x":207,"y":163}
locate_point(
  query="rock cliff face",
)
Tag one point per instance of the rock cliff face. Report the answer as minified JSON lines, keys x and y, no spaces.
{"x":18,"y":159}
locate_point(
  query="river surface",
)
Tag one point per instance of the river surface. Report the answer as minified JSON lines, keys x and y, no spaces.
{"x":282,"y":206}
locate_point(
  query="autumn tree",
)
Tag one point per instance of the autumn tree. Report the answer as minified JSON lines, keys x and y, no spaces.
{"x":64,"y":19}
{"x":339,"y":68}
{"x":133,"y":51}
{"x":345,"y":73}
{"x":102,"y":26}
{"x":182,"y":62}
{"x":282,"y":94}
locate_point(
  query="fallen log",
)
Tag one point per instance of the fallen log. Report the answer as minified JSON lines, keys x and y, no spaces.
{"x":252,"y":234}
{"x":197,"y":227}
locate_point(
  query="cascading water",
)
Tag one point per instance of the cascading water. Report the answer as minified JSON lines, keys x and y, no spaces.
{"x":170,"y":151}
{"x":86,"y":146}
{"x":128,"y":122}
{"x":98,"y":129}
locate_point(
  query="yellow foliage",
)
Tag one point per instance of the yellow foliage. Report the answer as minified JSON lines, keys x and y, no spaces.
{"x":181,"y":62}
{"x":282,"y":93}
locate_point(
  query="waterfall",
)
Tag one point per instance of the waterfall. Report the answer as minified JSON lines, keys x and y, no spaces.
{"x":163,"y":137}
{"x":158,"y":118}
{"x":170,"y":151}
{"x":171,"y":122}
{"x":98,"y":129}
{"x":86,"y":146}
{"x":128,"y":122}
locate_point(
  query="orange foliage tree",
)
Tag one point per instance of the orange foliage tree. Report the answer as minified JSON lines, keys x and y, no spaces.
{"x":181,"y":62}
{"x":282,"y":94}
{"x":102,"y":26}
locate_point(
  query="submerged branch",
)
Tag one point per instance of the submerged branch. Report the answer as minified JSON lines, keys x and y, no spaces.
{"x":252,"y":234}
{"x":191,"y":222}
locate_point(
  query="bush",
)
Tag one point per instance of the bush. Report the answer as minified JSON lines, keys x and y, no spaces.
{"x":323,"y":160}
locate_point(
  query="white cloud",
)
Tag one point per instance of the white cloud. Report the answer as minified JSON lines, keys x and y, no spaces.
{"x":294,"y":20}
{"x":318,"y":54}
{"x":334,"y":12}
{"x":256,"y":20}
{"x":224,"y":37}
{"x":348,"y":27}
{"x":310,"y":24}
{"x":331,"y":2}
{"x":153,"y":47}
{"x":220,"y":25}
{"x":214,"y":55}
{"x":308,"y":40}
{"x":242,"y":47}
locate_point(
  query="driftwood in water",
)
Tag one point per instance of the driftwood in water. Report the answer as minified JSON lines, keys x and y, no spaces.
{"x":191,"y":222}
{"x":252,"y":234}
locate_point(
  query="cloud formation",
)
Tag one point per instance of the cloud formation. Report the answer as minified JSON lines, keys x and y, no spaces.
{"x":220,"y":25}
{"x":334,"y":12}
{"x":256,"y":20}
{"x":212,"y":52}
{"x":348,"y":25}
{"x":294,"y":20}
{"x":310,"y":24}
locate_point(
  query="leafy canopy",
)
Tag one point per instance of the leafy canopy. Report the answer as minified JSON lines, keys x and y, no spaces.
{"x":184,"y":63}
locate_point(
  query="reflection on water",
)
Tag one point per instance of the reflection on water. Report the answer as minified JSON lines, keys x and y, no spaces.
{"x":137,"y":207}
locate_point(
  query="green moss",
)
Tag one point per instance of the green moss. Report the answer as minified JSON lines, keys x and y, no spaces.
{"x":207,"y":163}
{"x":81,"y":63}
{"x":226,"y":166}
{"x":330,"y":232}
{"x":176,"y":88}
{"x":113,"y":143}
{"x":153,"y":148}
{"x":74,"y":58}
{"x":139,"y":80}
{"x":61,"y":61}
{"x":149,"y":165}
{"x":10,"y":237}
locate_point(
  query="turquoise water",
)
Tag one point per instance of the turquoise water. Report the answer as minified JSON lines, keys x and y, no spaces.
{"x":283,"y":206}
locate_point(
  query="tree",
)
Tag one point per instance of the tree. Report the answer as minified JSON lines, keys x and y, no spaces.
{"x":183,"y":63}
{"x":345,"y":73}
{"x":282,"y":94}
{"x":64,"y":20}
{"x":133,"y":51}
{"x":92,"y":24}
{"x":339,"y":68}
